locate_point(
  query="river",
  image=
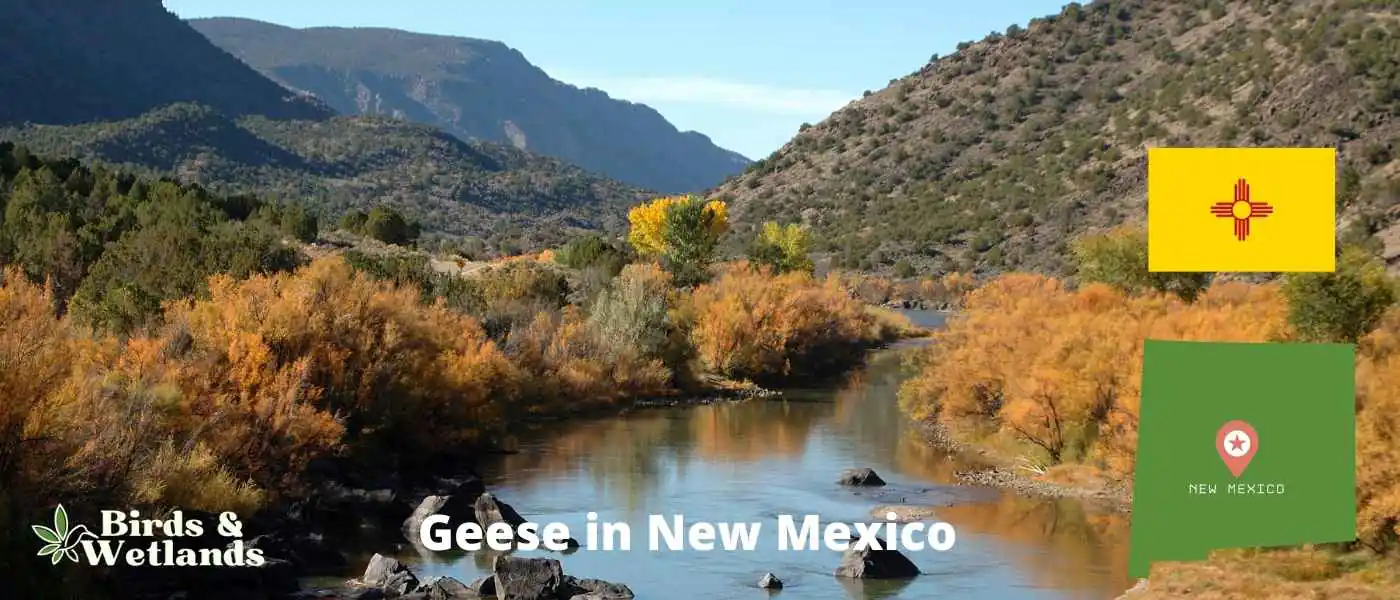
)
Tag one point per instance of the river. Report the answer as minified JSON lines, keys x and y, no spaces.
{"x":750,"y":462}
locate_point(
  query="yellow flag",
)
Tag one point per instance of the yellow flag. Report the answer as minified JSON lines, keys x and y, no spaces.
{"x":1241,"y":209}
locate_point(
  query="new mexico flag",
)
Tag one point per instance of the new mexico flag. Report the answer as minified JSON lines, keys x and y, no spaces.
{"x":1241,"y":209}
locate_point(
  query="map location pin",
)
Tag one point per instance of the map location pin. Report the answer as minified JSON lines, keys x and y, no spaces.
{"x":1236,"y":442}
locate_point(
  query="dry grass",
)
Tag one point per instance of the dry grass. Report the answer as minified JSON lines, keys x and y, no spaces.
{"x":1292,"y":574}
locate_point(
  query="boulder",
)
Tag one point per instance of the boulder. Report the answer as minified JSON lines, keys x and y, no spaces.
{"x":486,"y":586}
{"x":595,"y":589}
{"x":489,"y":510}
{"x":869,"y":563}
{"x":528,"y":578}
{"x":389,"y":575}
{"x":447,"y":588}
{"x":770,"y":581}
{"x":461,"y":508}
{"x":860,"y":477}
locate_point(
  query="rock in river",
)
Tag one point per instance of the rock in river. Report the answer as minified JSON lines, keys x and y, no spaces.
{"x":595,"y":589}
{"x":770,"y":581}
{"x":490,"y":510}
{"x":528,"y":578}
{"x":389,"y":575}
{"x":860,"y":477}
{"x":447,"y":588}
{"x":869,"y":563}
{"x":486,"y":586}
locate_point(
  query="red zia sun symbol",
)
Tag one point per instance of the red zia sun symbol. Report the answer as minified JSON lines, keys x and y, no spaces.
{"x":1241,"y":210}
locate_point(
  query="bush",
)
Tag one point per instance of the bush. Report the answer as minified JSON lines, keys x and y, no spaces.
{"x":634,"y":316}
{"x":1057,"y":371}
{"x":592,"y":251}
{"x":763,"y":327}
{"x":782,"y":249}
{"x":903,"y":270}
{"x":387,"y":225}
{"x":1031,"y":368}
{"x":298,"y":223}
{"x":1118,"y":258}
{"x":354,"y":221}
{"x":172,"y":256}
{"x":1341,"y":306}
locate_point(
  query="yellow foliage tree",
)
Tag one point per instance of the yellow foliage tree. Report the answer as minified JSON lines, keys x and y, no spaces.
{"x":647,"y":232}
{"x":782,"y":248}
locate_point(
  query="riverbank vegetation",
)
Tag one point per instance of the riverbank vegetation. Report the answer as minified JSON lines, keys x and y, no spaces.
{"x":1046,"y":373}
{"x":163,"y":347}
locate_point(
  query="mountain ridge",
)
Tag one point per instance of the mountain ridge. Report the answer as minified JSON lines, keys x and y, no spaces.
{"x":67,"y":83}
{"x":477,"y":89}
{"x":994,"y":157}
{"x":511,"y":199}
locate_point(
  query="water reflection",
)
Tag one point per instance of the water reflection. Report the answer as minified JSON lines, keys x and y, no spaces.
{"x":754,"y":461}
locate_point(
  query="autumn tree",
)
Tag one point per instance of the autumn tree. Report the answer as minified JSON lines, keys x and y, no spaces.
{"x":782,"y":248}
{"x":750,"y":325}
{"x":682,"y":232}
{"x":1342,"y":305}
{"x":1119,"y":258}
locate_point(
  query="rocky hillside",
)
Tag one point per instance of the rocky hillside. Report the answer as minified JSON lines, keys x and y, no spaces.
{"x":82,"y":60}
{"x":510,"y":199}
{"x":478,"y":89}
{"x":993,"y":157}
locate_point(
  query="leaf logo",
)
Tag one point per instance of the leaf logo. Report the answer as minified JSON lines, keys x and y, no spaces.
{"x":60,"y":541}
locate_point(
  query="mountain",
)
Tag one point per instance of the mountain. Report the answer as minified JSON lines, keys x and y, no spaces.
{"x":477,"y":89}
{"x":126,"y":82}
{"x":511,"y":199}
{"x":993,"y":157}
{"x":82,"y":60}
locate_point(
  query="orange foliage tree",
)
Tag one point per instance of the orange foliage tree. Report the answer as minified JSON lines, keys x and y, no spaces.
{"x":753,"y":325}
{"x":1059,"y":369}
{"x":1030,"y":366}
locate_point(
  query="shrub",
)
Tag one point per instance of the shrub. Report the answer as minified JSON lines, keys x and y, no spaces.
{"x":387,"y":225}
{"x":592,"y":251}
{"x":1033,"y":368}
{"x":570,"y":368}
{"x":1057,"y":371}
{"x":1119,"y":258}
{"x":763,"y":327}
{"x":782,"y":249}
{"x":634,"y":317}
{"x":1343,"y":305}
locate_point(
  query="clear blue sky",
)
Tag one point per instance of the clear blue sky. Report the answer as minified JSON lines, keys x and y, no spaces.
{"x":745,"y":72}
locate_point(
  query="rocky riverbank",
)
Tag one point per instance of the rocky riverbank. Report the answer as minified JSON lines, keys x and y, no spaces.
{"x":353,"y":507}
{"x":995,"y":471}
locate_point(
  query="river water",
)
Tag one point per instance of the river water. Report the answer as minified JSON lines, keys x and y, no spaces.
{"x":754,"y":461}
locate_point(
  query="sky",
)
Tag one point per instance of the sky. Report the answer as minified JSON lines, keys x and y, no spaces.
{"x":747,"y":73}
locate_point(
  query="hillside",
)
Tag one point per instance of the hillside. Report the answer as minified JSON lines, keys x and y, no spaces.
{"x":82,"y":60}
{"x":510,"y":199}
{"x":478,"y":89}
{"x":993,"y":157}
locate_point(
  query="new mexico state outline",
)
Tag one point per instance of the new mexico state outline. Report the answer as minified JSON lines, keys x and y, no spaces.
{"x":1299,"y":480}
